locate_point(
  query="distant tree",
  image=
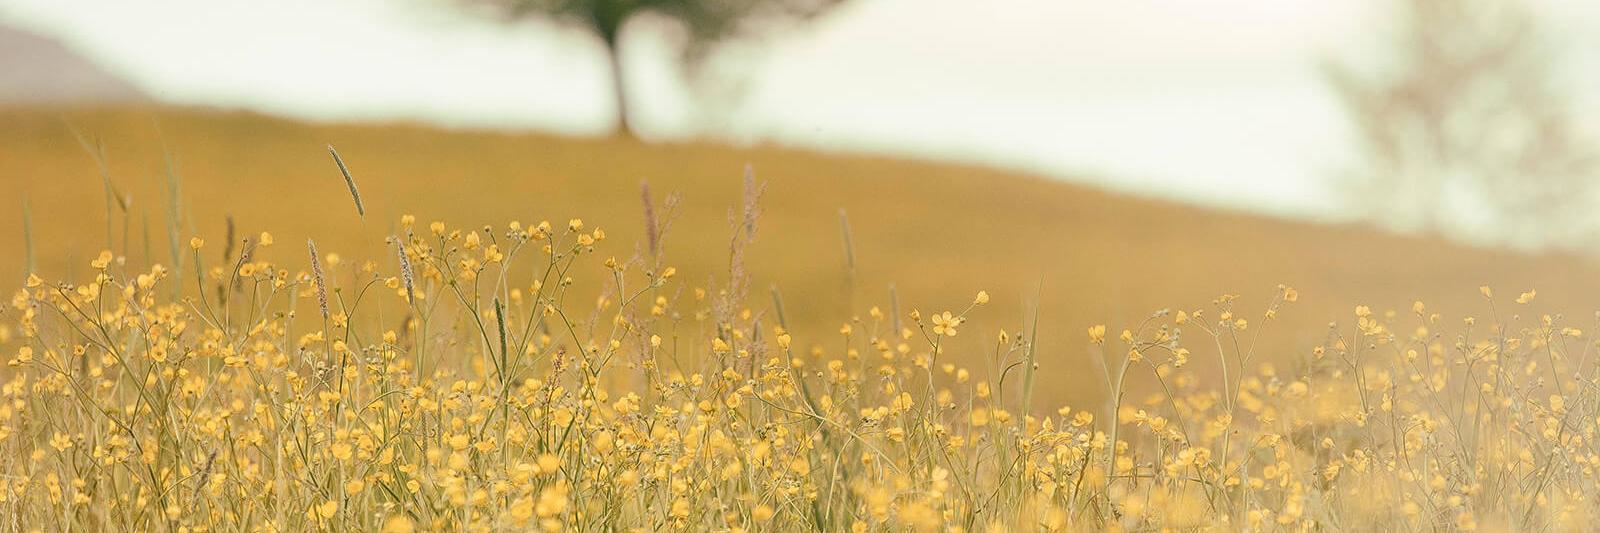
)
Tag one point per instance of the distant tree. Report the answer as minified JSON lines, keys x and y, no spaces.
{"x":1465,"y":128}
{"x":707,"y":23}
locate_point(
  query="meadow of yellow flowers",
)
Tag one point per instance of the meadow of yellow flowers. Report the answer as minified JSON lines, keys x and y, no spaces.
{"x":457,"y":386}
{"x":542,"y":374}
{"x":842,"y":232}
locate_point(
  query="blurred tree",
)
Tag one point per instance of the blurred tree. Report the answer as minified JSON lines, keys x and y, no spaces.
{"x":1465,"y":129}
{"x":707,"y":23}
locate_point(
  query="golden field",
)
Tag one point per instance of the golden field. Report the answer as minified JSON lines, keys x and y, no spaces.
{"x":937,"y":232}
{"x":483,"y":374}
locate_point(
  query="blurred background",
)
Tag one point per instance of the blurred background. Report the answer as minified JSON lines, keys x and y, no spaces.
{"x":1224,"y":103}
{"x":1100,"y":160}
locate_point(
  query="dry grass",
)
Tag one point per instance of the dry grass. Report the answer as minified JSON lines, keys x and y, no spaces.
{"x":548,"y":373}
{"x":464,"y":386}
{"x":934,"y":232}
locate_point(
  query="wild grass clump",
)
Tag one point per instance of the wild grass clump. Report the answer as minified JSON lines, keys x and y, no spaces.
{"x":460,"y":385}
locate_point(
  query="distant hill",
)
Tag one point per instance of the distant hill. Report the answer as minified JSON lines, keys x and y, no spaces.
{"x":938,"y":232}
{"x":39,"y":70}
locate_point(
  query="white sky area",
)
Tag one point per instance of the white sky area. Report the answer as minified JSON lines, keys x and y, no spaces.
{"x":1218,"y":102}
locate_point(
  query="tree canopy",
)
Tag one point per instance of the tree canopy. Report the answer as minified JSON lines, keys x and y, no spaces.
{"x":706,"y":23}
{"x":1466,"y":128}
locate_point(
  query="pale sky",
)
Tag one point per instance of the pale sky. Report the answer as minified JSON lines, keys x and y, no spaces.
{"x":1218,"y":102}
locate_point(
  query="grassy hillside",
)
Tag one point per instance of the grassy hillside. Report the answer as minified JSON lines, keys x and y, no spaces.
{"x":937,"y":232}
{"x":281,"y":397}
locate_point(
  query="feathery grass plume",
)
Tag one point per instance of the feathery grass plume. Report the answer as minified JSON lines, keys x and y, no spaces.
{"x":317,"y":278}
{"x":349,"y":181}
{"x":227,"y":240}
{"x":405,"y":270}
{"x":744,"y":232}
{"x":751,"y":206}
{"x":651,"y":237}
{"x":205,"y":471}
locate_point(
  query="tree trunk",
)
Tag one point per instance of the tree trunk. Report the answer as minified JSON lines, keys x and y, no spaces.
{"x":619,"y":88}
